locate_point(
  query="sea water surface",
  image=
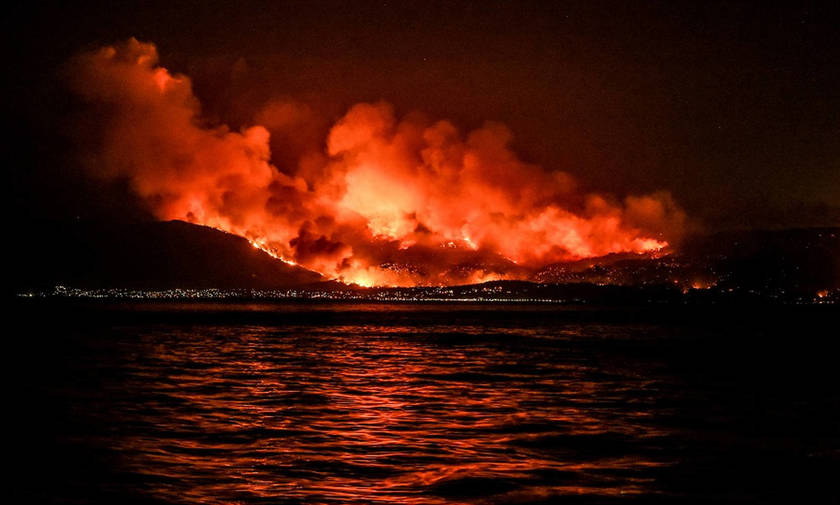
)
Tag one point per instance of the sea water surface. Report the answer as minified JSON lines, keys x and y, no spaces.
{"x":171,"y":403}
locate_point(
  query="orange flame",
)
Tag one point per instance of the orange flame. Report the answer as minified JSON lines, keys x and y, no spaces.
{"x":389,"y":202}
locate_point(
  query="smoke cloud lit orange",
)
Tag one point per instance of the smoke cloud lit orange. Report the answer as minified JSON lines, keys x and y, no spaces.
{"x":382,"y":201}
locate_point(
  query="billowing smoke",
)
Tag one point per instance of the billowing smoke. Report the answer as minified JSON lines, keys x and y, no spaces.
{"x":379,"y":201}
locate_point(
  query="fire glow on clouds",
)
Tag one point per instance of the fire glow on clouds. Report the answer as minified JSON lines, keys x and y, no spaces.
{"x":385,"y":202}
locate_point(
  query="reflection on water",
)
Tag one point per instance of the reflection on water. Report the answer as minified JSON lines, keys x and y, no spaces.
{"x":379,"y":408}
{"x":367,"y":413}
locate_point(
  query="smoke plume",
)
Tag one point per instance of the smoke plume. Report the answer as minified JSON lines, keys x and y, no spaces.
{"x":382,"y":200}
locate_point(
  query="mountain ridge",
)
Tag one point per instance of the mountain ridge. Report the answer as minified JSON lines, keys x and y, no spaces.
{"x":175,"y":254}
{"x":146,"y":254}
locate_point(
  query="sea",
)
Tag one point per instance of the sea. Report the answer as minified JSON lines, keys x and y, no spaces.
{"x":118,"y":402}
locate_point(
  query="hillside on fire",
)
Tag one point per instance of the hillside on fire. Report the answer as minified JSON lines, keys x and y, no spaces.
{"x":148,"y":255}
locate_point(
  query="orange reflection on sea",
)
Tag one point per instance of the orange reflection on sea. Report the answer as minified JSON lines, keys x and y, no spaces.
{"x":359,"y":414}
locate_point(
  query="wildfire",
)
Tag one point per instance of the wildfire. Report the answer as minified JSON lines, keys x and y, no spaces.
{"x":259,"y":244}
{"x":388,"y":202}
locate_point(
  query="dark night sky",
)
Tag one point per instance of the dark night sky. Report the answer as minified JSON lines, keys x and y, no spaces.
{"x":734,"y":108}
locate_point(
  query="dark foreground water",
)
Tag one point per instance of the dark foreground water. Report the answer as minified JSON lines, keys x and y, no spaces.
{"x":428,"y":404}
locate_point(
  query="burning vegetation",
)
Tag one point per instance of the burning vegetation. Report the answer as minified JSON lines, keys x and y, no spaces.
{"x":380,"y":201}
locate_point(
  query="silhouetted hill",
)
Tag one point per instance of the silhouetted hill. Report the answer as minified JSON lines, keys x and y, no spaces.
{"x":797,"y":262}
{"x":781,"y":265}
{"x":154,"y":255}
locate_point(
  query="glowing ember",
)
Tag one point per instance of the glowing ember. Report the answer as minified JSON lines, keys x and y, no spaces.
{"x":389,"y":202}
{"x":703,"y":284}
